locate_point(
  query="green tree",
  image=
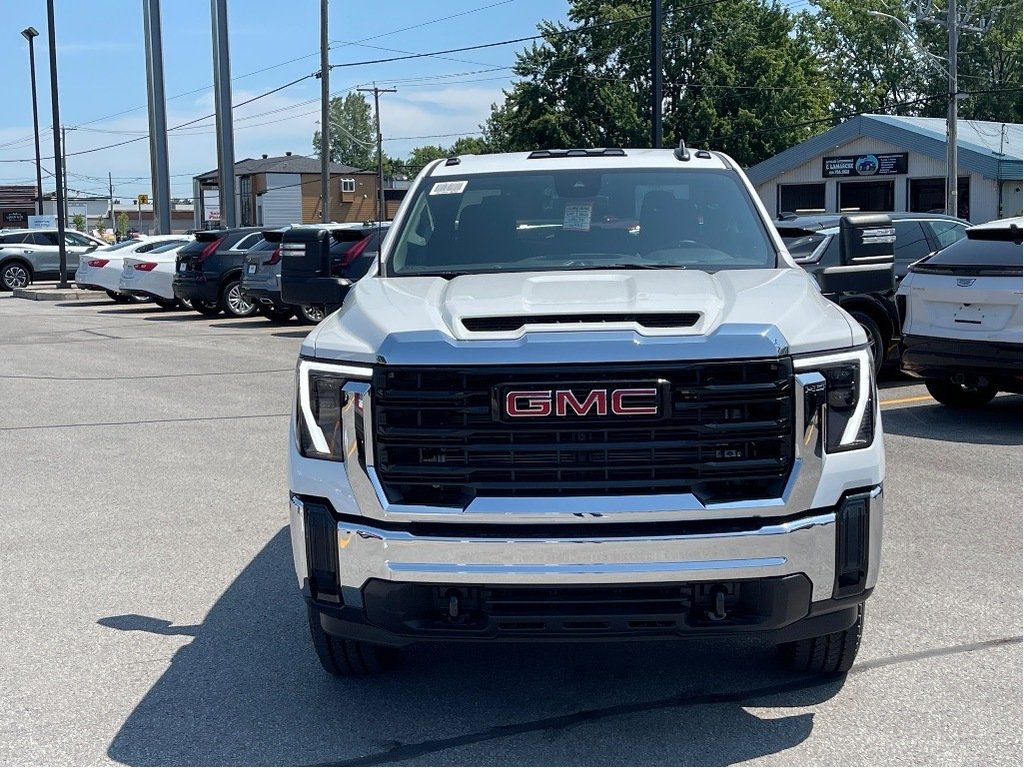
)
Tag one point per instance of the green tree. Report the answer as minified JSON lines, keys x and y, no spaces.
{"x":988,"y":64}
{"x":420,"y":156}
{"x":469,"y":145}
{"x":352,"y":135}
{"x":78,"y":222}
{"x":122,"y":223}
{"x":736,"y":75}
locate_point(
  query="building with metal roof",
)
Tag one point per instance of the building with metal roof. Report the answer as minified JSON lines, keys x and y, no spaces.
{"x":891,"y":163}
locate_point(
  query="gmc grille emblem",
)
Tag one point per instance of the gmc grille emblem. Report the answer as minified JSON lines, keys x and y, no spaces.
{"x":621,"y":401}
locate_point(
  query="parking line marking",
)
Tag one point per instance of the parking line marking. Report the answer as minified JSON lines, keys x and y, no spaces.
{"x":918,"y":399}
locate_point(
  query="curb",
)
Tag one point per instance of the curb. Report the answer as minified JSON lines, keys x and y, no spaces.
{"x":51,"y":294}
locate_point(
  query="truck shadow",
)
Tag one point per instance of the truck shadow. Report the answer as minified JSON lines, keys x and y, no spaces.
{"x":998,"y":423}
{"x":248,"y":690}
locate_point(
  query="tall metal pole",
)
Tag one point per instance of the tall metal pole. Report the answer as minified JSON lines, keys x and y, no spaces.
{"x":953,"y":22}
{"x":325,"y":118}
{"x":30,"y":34}
{"x":656,"y":87}
{"x":157,"y":117}
{"x":55,"y":116}
{"x":110,"y":185}
{"x":64,"y":165}
{"x":222,"y":106}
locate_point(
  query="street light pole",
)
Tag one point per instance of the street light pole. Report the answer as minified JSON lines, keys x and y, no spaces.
{"x":57,"y":154}
{"x":30,"y":33}
{"x":325,"y":119}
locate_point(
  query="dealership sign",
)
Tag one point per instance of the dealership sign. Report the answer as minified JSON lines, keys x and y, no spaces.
{"x":864,"y":165}
{"x":14,"y":217}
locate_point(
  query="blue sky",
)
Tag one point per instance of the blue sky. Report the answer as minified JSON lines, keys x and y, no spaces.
{"x":102,"y":72}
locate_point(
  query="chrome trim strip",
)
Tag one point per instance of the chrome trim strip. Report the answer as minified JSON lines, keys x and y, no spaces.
{"x":875,"y":524}
{"x":604,"y":568}
{"x":803,"y":546}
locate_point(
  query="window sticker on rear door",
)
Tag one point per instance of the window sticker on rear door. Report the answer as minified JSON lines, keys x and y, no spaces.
{"x":577,"y":217}
{"x":449,"y":187}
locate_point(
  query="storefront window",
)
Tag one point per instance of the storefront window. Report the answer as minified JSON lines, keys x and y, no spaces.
{"x":801,"y":198}
{"x":929,"y":196}
{"x":866,"y":196}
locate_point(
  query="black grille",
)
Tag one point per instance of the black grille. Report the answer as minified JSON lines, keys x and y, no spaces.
{"x":727,"y":434}
{"x":649,"y":320}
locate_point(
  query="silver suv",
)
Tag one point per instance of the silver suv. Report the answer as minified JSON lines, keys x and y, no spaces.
{"x":33,"y":254}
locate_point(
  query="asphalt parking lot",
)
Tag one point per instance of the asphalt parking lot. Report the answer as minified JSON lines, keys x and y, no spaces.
{"x":150,"y":613}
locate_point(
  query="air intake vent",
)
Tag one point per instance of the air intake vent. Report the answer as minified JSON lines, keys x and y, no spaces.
{"x":515,"y":322}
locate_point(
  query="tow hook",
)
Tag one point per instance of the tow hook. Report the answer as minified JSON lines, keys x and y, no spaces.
{"x":453,"y":605}
{"x":718,"y":600}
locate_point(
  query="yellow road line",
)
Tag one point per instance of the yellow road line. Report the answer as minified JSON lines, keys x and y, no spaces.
{"x":918,"y":399}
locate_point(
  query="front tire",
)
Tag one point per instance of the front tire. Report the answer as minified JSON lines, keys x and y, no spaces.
{"x":15,"y":274}
{"x":347,"y":658}
{"x":876,"y":342}
{"x":956,"y":395}
{"x":826,"y":654}
{"x":118,"y":298}
{"x":233,"y":302}
{"x":166,"y":303}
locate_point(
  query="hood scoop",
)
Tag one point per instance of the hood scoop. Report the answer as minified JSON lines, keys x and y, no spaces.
{"x":645,"y":320}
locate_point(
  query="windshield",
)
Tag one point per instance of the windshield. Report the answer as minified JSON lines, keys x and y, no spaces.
{"x":573,"y":219}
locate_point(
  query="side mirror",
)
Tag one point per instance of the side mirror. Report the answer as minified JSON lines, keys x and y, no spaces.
{"x":866,"y":256}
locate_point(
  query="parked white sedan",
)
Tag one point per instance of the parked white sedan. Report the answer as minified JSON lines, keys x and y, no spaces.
{"x":150,"y":276}
{"x":101,"y":270}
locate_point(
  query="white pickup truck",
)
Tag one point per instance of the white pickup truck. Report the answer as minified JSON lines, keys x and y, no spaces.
{"x":587,"y":394}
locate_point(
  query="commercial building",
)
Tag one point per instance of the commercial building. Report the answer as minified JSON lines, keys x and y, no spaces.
{"x":277,"y":191}
{"x":889,"y":163}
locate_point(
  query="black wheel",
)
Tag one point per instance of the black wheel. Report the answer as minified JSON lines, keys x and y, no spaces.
{"x":206,"y":308}
{"x":311,"y":314}
{"x":15,"y":274}
{"x":826,"y":654}
{"x":956,"y":395}
{"x":118,"y":298}
{"x":276,"y":313}
{"x":185,"y":303}
{"x":347,"y":658}
{"x":876,"y":342}
{"x":166,"y":303}
{"x":233,"y":302}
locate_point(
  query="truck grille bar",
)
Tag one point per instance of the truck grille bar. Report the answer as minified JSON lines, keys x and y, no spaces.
{"x":726,"y":433}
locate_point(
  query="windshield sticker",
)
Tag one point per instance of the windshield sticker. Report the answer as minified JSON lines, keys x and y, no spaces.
{"x":449,"y":187}
{"x":577,"y":217}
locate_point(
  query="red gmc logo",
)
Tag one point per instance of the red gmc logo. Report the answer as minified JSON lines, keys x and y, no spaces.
{"x":625,"y":401}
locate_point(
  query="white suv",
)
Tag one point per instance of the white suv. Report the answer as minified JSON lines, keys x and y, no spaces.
{"x":962,"y":316}
{"x":33,"y":254}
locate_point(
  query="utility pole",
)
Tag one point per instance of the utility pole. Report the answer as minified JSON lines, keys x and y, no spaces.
{"x":381,"y":209}
{"x":954,"y":25}
{"x":953,"y":22}
{"x":57,"y":147}
{"x":222,"y":107}
{"x":656,"y":87}
{"x":325,"y":118}
{"x":157,"y":117}
{"x":110,"y":186}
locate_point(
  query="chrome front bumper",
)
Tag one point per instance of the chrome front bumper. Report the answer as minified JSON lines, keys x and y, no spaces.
{"x":806,"y":545}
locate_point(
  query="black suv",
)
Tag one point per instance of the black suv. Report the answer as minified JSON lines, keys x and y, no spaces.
{"x":813,"y":242}
{"x":208,"y":271}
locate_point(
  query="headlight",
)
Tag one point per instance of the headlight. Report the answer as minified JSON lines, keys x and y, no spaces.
{"x":845,"y":405}
{"x":322,"y":398}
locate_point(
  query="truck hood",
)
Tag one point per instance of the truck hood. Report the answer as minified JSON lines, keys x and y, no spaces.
{"x":526,"y":317}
